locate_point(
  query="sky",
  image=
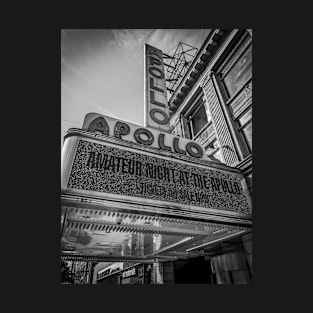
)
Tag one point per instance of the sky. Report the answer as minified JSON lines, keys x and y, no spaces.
{"x":102,"y":70}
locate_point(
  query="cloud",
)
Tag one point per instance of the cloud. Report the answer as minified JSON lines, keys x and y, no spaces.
{"x":168,"y":39}
{"x":131,"y":42}
{"x":70,"y":68}
{"x":73,"y":96}
{"x":102,"y":70}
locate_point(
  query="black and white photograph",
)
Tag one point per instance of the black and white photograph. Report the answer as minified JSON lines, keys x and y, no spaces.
{"x":156,"y":156}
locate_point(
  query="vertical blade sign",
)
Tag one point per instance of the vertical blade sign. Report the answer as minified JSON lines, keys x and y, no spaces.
{"x":156,"y":107}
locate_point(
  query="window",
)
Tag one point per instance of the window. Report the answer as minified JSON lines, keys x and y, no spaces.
{"x":239,"y":73}
{"x":245,"y":127}
{"x":197,"y":120}
{"x":234,"y":74}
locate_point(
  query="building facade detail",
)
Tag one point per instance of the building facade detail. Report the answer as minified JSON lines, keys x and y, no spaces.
{"x":237,"y":106}
{"x":176,"y":126}
{"x":220,"y":124}
{"x":205,"y":136}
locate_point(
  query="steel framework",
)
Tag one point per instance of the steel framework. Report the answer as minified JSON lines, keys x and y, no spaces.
{"x":177,"y":64}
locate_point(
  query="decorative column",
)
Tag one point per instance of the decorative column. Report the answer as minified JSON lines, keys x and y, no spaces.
{"x":219,"y":121}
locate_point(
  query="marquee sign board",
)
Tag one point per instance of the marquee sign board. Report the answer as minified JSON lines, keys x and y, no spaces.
{"x":104,"y":168}
{"x":156,"y":104}
{"x":109,"y":126}
{"x":129,"y":272}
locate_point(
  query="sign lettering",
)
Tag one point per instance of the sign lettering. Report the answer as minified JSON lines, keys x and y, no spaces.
{"x":130,"y":272}
{"x":149,"y":137}
{"x":105,"y":168}
{"x":156,"y":106}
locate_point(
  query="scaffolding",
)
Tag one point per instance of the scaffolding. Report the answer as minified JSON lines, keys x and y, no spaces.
{"x":177,"y":64}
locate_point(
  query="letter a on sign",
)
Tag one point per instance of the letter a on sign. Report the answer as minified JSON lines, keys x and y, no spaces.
{"x":156,"y":105}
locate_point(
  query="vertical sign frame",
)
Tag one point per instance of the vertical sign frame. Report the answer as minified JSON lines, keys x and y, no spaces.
{"x":156,"y":104}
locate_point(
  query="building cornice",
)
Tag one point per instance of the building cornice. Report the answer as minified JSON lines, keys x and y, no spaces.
{"x":199,"y":64}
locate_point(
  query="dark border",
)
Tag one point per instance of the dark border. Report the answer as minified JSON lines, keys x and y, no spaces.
{"x":38,"y":204}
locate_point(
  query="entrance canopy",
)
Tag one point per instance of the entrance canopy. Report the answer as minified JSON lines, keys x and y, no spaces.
{"x":131,"y":200}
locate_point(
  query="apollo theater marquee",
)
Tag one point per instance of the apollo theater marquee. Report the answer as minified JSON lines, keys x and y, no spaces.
{"x":120,"y":179}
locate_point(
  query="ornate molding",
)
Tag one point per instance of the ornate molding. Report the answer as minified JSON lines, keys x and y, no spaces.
{"x":177,"y":130}
{"x":176,"y":125}
{"x":241,"y":98}
{"x":206,"y":79}
{"x":175,"y":120}
{"x":248,"y":90}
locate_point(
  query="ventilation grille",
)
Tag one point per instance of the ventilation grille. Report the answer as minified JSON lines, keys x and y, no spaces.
{"x":222,"y":131}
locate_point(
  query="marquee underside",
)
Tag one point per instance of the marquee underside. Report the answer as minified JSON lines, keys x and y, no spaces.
{"x":105,"y":234}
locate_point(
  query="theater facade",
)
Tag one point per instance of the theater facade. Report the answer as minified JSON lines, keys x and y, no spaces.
{"x":171,"y":200}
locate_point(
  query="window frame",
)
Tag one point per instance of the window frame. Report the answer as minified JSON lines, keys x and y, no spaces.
{"x":243,"y":126}
{"x":223,"y":78}
{"x":232,"y":57}
{"x":237,"y":52}
{"x":191,"y":112}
